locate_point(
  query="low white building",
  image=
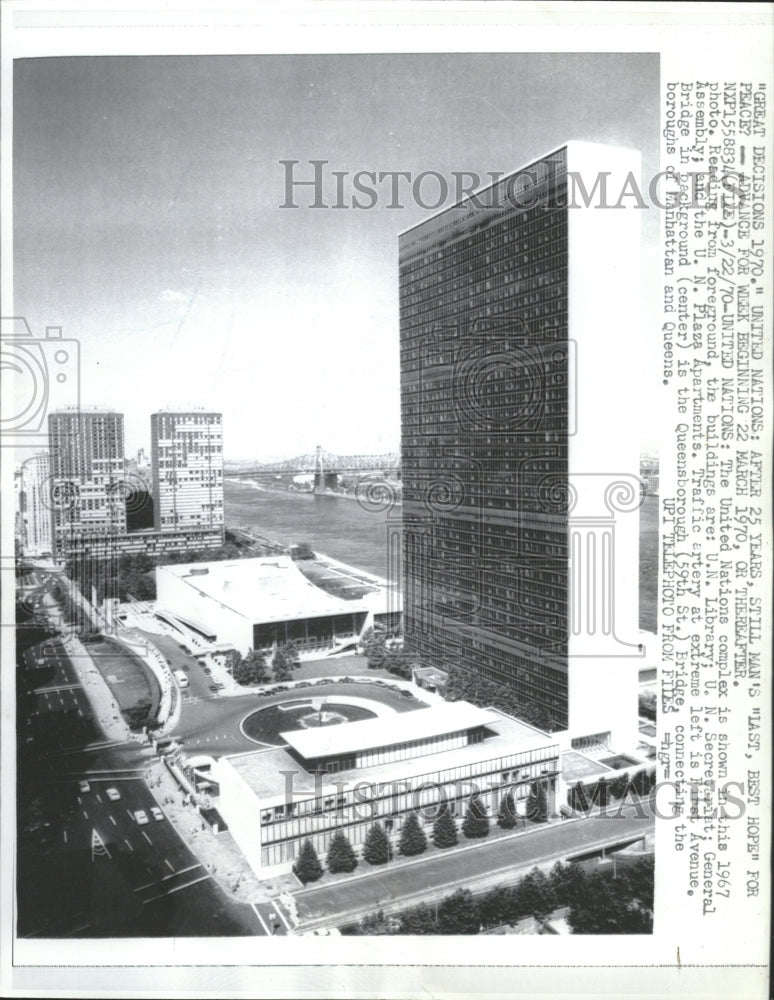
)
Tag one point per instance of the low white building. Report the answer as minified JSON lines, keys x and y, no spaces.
{"x":255,"y":603}
{"x":345,"y":777}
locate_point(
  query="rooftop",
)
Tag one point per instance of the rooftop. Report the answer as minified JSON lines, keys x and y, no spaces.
{"x":269,"y":589}
{"x":268,"y":773}
{"x":438,"y":720}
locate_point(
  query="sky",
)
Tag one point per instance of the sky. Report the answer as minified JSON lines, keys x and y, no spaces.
{"x":148,"y":220}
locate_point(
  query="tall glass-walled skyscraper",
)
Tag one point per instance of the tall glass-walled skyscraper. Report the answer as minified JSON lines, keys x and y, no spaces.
{"x":518,"y":315}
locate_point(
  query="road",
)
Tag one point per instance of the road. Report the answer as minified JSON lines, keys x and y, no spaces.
{"x":491,"y":861}
{"x":86,"y":867}
{"x":212,"y":724}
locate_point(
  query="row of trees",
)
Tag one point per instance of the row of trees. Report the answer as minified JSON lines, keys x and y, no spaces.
{"x":377,"y":849}
{"x":469,"y":685}
{"x":462,"y":685}
{"x":133,"y":576}
{"x":252,"y":668}
{"x":582,"y":797}
{"x":598,"y":904}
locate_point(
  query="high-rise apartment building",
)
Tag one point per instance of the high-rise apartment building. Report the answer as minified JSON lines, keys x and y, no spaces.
{"x":86,"y":494}
{"x":33,"y":521}
{"x":187,"y":469}
{"x":518,"y":318}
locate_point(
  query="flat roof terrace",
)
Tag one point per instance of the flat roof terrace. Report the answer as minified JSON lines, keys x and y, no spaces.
{"x":262,"y":770}
{"x":437,"y":720}
{"x":270,"y":589}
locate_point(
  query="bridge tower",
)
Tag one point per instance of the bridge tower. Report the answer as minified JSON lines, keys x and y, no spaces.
{"x":319,"y":470}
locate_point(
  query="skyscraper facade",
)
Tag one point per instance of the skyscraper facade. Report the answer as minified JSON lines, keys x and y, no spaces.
{"x":86,"y":494}
{"x":518,"y":313}
{"x":34,"y":509}
{"x":187,"y":470}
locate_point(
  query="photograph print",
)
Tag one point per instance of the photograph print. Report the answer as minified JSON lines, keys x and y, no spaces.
{"x":336,"y":494}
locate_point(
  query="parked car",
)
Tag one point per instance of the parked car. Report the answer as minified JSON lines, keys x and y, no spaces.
{"x":213,"y":688}
{"x":157,"y":814}
{"x":406,"y":694}
{"x":113,"y":794}
{"x":141,"y":817}
{"x":206,"y":670}
{"x":83,"y":787}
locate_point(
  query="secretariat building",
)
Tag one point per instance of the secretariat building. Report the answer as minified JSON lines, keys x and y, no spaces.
{"x":518,"y":325}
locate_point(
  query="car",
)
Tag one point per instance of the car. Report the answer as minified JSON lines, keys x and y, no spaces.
{"x":406,"y":694}
{"x":141,"y":817}
{"x":83,"y":787}
{"x":214,"y":688}
{"x":113,"y":794}
{"x":206,"y":670}
{"x":157,"y":814}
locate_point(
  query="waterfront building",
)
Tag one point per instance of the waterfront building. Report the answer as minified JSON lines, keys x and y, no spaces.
{"x":257,"y":603}
{"x":86,"y":493}
{"x":518,"y":328}
{"x":345,"y":777}
{"x":187,"y":470}
{"x":33,"y":517}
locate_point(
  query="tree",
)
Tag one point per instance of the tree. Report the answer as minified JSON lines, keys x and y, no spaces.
{"x":420,"y":920}
{"x":493,"y":907}
{"x":568,"y":883}
{"x":398,"y":662}
{"x":537,"y":802}
{"x":341,"y":857}
{"x":476,"y":822}
{"x":250,"y":669}
{"x":535,"y":895}
{"x":375,"y":923}
{"x":618,"y":785}
{"x":458,"y":914}
{"x":138,"y":715}
{"x":307,"y":866}
{"x":444,"y":829}
{"x":412,"y":837}
{"x":376,"y":849}
{"x":506,"y":814}
{"x":374,"y":648}
{"x":281,"y":664}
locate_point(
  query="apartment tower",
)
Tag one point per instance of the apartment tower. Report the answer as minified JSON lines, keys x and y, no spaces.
{"x":187,"y":470}
{"x":86,"y":493}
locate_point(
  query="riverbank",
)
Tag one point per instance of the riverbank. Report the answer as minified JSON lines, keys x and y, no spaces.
{"x":364,"y":498}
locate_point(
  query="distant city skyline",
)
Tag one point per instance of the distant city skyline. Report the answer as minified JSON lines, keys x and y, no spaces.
{"x":147,"y":219}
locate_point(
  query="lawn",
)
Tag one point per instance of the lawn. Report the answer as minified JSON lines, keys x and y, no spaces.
{"x":128,"y":677}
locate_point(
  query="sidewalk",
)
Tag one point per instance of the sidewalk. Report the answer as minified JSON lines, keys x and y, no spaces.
{"x":217,"y":852}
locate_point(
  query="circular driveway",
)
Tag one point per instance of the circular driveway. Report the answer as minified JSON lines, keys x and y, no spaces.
{"x":213,"y":725}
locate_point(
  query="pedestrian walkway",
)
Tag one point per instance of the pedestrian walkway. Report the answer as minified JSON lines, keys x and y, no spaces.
{"x":218,"y":853}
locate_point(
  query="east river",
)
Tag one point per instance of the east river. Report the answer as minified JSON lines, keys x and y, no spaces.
{"x":340,"y":527}
{"x":337,"y":526}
